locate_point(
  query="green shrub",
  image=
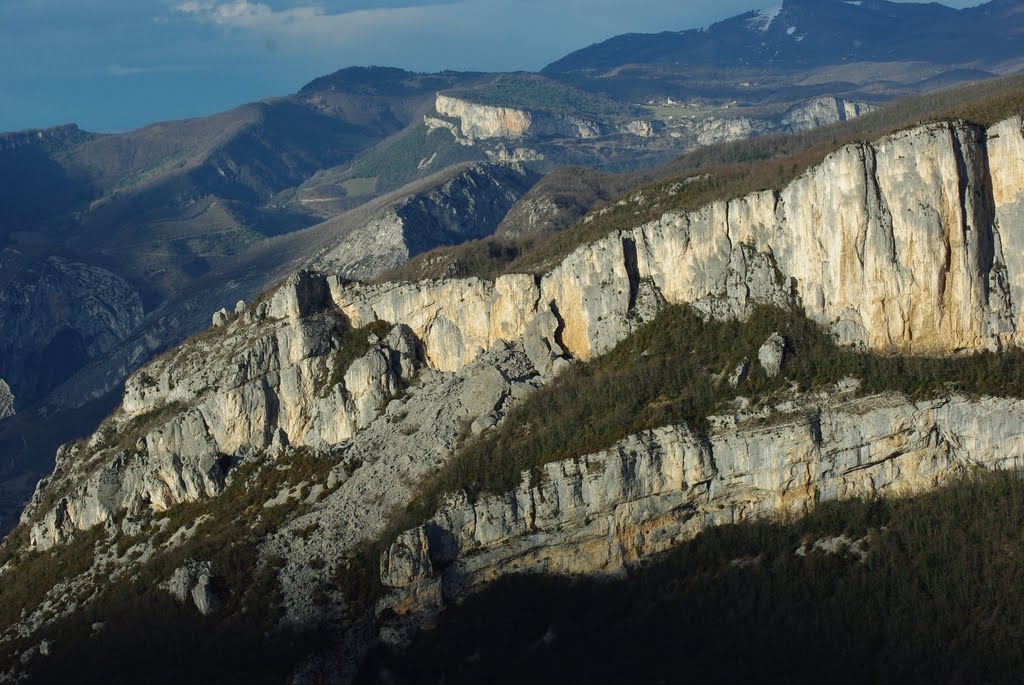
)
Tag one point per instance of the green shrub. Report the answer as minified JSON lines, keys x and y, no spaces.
{"x":676,"y":369}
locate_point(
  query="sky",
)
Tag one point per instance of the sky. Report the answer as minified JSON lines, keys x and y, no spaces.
{"x":113,"y":65}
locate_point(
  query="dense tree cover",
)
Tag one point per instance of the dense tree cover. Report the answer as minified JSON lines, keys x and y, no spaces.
{"x":936,"y":599}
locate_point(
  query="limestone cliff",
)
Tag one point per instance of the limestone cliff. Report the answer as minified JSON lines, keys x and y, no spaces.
{"x":908,"y":244}
{"x":265,"y":380}
{"x":483,"y":122}
{"x":823,"y":111}
{"x":471,"y":123}
{"x":599,"y":513}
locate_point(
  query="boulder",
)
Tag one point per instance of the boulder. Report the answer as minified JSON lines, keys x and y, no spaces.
{"x":194,"y":581}
{"x":772,"y":354}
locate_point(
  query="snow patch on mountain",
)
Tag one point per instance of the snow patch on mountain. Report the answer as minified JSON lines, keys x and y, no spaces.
{"x":762,"y":21}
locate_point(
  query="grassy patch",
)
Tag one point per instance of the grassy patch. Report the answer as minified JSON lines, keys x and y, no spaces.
{"x":486,"y":258}
{"x":534,"y":92}
{"x":357,"y":187}
{"x":395,"y":162}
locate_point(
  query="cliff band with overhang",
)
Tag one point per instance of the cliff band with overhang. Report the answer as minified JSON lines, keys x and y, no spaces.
{"x":600,"y":513}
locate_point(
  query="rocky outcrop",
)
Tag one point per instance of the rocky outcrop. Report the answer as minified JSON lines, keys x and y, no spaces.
{"x":56,"y":316}
{"x":906,"y":244}
{"x":266,"y":379}
{"x":469,"y":205}
{"x":823,"y":111}
{"x":385,"y":463}
{"x":909,"y":244}
{"x":193,"y":582}
{"x":713,"y":130}
{"x":597,"y":514}
{"x":485,"y":122}
{"x":771,"y":355}
{"x":6,"y":400}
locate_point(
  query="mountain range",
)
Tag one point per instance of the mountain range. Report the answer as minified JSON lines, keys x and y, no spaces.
{"x":318,"y":367}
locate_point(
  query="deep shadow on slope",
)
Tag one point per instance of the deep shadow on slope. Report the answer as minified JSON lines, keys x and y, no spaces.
{"x":938,"y":599}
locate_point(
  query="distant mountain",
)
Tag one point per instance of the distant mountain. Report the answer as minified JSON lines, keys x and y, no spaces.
{"x":801,"y":34}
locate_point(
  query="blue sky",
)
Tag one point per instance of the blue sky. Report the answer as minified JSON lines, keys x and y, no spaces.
{"x":117,"y":64}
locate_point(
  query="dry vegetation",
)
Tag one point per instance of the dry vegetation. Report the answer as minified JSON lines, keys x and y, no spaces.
{"x":725,"y":172}
{"x":148,"y":630}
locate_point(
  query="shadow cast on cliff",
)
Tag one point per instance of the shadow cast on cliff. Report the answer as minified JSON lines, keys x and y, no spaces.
{"x":934,"y":600}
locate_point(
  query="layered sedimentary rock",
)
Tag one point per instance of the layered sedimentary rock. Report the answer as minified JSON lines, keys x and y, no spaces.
{"x":822,"y":112}
{"x":483,"y":122}
{"x":911,"y":244}
{"x":597,"y":514}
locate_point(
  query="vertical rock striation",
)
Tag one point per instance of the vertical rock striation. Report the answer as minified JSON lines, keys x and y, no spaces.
{"x":600,"y":513}
{"x":911,"y":244}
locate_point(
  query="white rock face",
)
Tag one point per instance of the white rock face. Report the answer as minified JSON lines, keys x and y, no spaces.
{"x":261,"y":383}
{"x":484,"y":122}
{"x":823,"y":111}
{"x":194,"y":582}
{"x":724,"y":130}
{"x":597,"y":514}
{"x":408,"y":442}
{"x":911,"y":244}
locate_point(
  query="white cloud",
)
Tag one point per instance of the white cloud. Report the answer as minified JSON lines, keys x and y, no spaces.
{"x":253,"y":15}
{"x":194,"y":7}
{"x":121,"y":70}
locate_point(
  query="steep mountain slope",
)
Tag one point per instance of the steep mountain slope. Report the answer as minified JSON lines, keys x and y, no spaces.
{"x":801,"y":34}
{"x":170,"y":203}
{"x":758,"y":64}
{"x":252,"y":481}
{"x":444,"y":208}
{"x":279,"y":452}
{"x":463,"y":203}
{"x":740,"y":596}
{"x":159,"y":207}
